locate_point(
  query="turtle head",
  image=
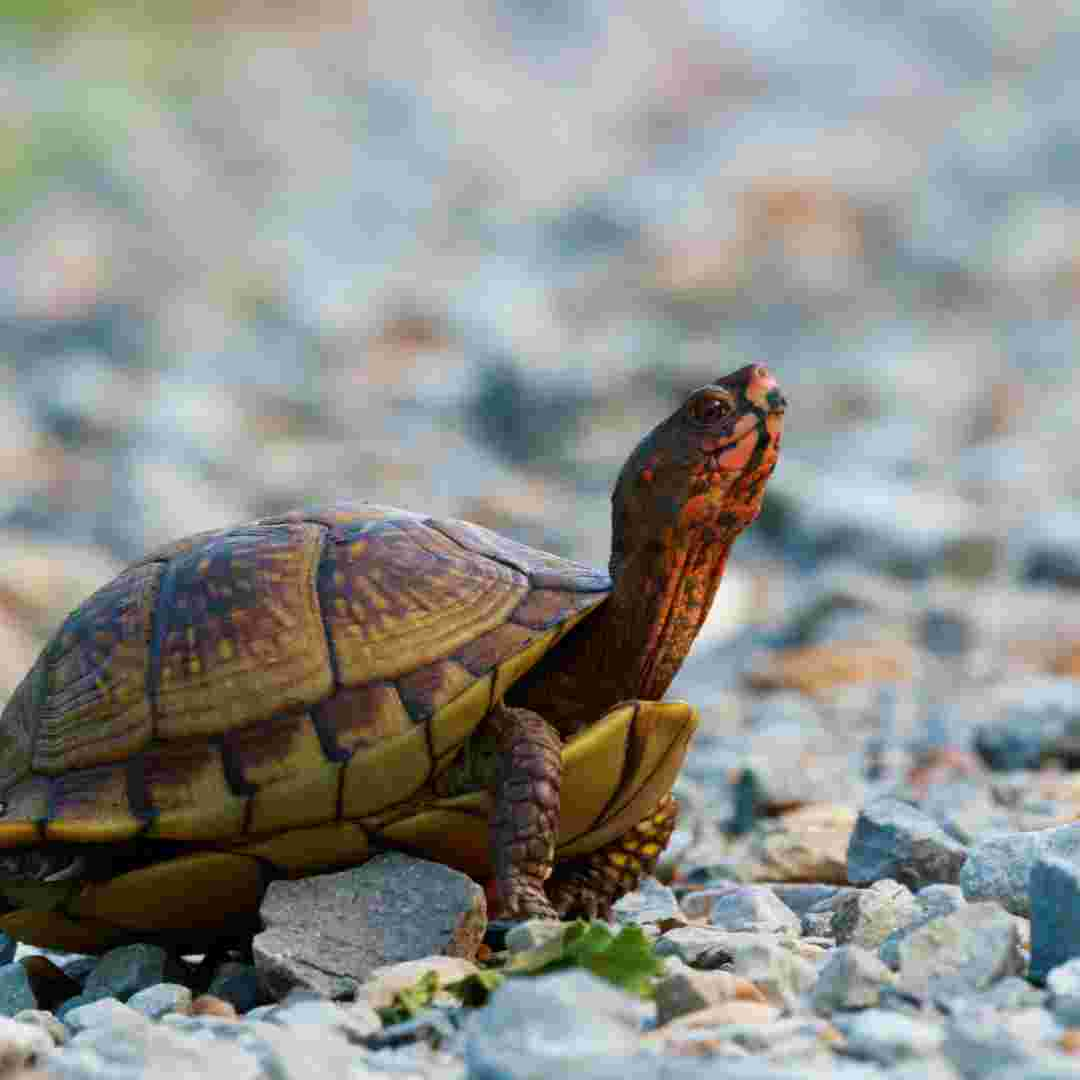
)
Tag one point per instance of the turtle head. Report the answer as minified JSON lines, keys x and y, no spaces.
{"x":702,"y":472}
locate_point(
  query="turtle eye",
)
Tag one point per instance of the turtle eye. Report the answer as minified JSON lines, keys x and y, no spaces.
{"x":712,"y":407}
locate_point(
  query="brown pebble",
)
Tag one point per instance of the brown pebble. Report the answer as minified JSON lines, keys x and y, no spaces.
{"x":1070,"y":1040}
{"x":50,"y":984}
{"x":209,"y":1005}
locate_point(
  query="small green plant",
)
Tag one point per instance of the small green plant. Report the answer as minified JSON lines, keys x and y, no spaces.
{"x":626,"y":959}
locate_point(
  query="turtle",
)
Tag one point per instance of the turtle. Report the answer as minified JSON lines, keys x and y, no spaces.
{"x":299,"y":693}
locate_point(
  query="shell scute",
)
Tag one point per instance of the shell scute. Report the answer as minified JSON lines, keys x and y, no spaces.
{"x":94,"y":708}
{"x":432,"y":687}
{"x":360,"y":716}
{"x":19,"y":725}
{"x":397,"y":595}
{"x":91,"y":803}
{"x":494,"y":648}
{"x":238,"y":631}
{"x":543,"y":609}
{"x":186,"y":793}
{"x":343,"y":517}
{"x":544,"y":570}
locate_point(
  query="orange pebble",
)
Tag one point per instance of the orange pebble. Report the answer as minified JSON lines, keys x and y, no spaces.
{"x":208,"y":1005}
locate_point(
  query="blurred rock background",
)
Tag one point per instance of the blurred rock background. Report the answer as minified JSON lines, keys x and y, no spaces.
{"x":461,"y":256}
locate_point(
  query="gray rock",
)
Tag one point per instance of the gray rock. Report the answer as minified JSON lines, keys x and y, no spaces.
{"x":78,"y":1001}
{"x":999,"y":868}
{"x":931,"y":902}
{"x":818,"y":924}
{"x":355,"y":1023}
{"x":1051,"y":546}
{"x":770,"y":962}
{"x":553,"y":1025}
{"x":701,"y":947}
{"x":328,"y":933}
{"x":699,"y":904}
{"x":890,"y":1037}
{"x":799,"y":1039}
{"x":105,"y":1012}
{"x":1011,"y":993}
{"x":651,"y":902}
{"x":993,"y":1042}
{"x":852,"y":978}
{"x":57,"y":1031}
{"x":22,"y":1045}
{"x":803,"y":899}
{"x":1039,"y":718}
{"x":753,"y":908}
{"x":532,"y":934}
{"x":967,"y":950}
{"x":260,"y":1012}
{"x":128,"y":1051}
{"x":237,"y":984}
{"x":866,"y":917}
{"x":16,"y":993}
{"x":935,"y":1067}
{"x":687,"y":991}
{"x":306,"y":1052}
{"x":79,"y":968}
{"x":894,"y":840}
{"x":1063,"y":982}
{"x":1059,"y":1068}
{"x":1055,"y":914}
{"x":817,"y":918}
{"x":155,"y":1001}
{"x":124,"y":971}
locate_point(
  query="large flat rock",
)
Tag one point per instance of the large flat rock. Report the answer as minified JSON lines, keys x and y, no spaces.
{"x":329,"y":933}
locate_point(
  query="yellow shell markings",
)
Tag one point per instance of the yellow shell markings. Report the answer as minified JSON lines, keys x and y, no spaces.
{"x":190,"y":794}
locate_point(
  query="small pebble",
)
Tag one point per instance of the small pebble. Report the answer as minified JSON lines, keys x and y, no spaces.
{"x":209,"y":1005}
{"x":155,"y":1001}
{"x":105,"y":1012}
{"x":16,"y":992}
{"x":22,"y":1045}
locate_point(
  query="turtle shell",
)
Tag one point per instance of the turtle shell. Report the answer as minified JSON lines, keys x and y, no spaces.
{"x":297,"y":670}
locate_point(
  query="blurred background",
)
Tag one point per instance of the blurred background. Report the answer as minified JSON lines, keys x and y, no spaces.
{"x":459,"y":257}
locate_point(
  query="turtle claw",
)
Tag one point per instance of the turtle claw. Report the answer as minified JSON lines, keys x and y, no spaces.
{"x":580,"y":896}
{"x":527,"y":902}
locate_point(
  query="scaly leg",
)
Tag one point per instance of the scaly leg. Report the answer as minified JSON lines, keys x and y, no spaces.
{"x":588,"y":886}
{"x":525,"y":814}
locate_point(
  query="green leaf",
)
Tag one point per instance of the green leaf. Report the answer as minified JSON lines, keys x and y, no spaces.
{"x":413,"y":999}
{"x":625,"y":959}
{"x":474,"y":990}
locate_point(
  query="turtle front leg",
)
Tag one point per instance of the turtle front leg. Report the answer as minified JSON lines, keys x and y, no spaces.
{"x":525,"y":814}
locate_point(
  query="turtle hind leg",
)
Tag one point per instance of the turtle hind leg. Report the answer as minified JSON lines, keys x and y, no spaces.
{"x":587,"y":886}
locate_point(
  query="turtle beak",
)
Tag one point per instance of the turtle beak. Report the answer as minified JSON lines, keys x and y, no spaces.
{"x":763,"y":390}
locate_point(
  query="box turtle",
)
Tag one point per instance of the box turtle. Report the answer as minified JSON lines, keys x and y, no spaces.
{"x":295,"y":694}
